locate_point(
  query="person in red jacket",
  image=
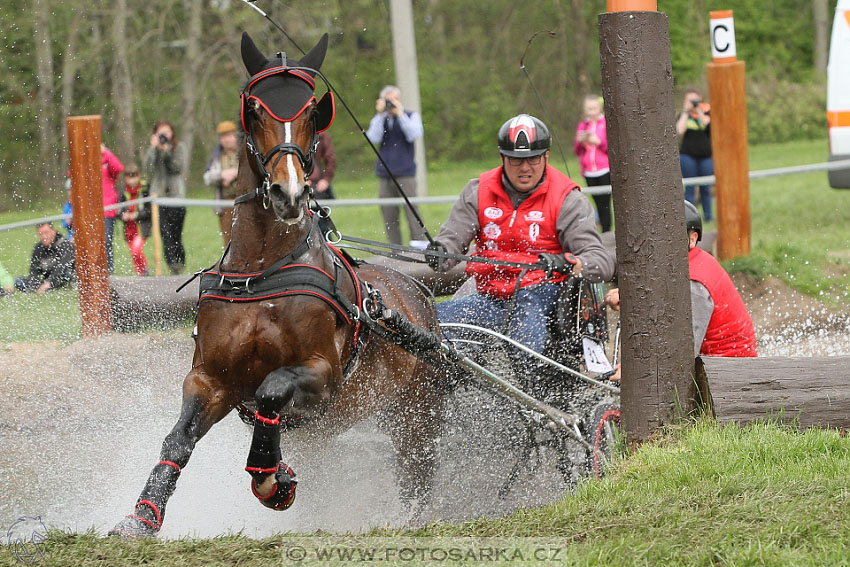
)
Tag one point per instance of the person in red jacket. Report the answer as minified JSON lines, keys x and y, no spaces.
{"x":523,"y":211}
{"x":721,"y":323}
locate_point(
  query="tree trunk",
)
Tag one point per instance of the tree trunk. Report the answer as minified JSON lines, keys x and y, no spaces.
{"x":47,"y":131}
{"x":820,"y":11}
{"x":191,"y":75}
{"x":122,"y":85}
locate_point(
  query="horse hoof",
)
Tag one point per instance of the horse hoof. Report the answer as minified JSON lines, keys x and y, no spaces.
{"x":283,"y":494}
{"x":132,"y":527}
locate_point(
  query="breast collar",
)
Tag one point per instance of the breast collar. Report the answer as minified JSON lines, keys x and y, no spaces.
{"x":288,"y":277}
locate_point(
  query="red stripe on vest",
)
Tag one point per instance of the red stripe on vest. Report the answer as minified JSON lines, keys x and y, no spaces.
{"x":730,"y":330}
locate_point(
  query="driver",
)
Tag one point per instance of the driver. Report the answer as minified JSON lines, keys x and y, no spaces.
{"x":522,"y":211}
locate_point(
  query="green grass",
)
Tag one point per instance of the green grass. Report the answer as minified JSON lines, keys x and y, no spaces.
{"x":800,"y":233}
{"x":704,"y":494}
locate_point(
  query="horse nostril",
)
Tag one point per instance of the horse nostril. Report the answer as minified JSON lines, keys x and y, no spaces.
{"x":276,"y":190}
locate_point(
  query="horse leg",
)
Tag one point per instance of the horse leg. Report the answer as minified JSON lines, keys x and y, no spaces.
{"x":273,"y":482}
{"x":414,"y":428}
{"x":203,"y":406}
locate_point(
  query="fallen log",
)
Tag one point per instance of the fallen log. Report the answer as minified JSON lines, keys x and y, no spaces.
{"x":811,"y":391}
{"x":151,"y":302}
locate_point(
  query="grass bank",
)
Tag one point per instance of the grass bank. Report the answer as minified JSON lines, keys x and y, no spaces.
{"x":800,"y":234}
{"x":701,"y":495}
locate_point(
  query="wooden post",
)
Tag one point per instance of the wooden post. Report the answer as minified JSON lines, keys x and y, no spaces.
{"x":89,"y":232}
{"x":157,"y":237}
{"x":652,"y":251}
{"x":728,"y":96}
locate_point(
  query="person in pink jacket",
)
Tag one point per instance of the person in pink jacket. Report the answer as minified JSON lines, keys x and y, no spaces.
{"x":591,"y":147}
{"x":111,"y":167}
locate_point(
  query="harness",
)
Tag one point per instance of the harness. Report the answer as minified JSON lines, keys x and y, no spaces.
{"x":286,"y":277}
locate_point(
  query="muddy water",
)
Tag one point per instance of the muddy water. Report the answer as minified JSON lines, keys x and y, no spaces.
{"x":81,"y":425}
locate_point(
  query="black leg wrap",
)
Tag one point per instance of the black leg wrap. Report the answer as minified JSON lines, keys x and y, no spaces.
{"x":283,"y":494}
{"x":146,"y":520}
{"x":264,"y":456}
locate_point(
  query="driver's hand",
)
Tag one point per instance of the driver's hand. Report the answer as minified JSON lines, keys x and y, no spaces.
{"x":437,"y":263}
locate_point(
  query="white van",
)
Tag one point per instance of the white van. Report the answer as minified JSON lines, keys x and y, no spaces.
{"x":838,"y":94}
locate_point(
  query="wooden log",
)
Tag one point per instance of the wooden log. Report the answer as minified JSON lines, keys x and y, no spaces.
{"x":151,"y":302}
{"x":652,"y":261}
{"x":89,"y":232}
{"x":811,"y":390}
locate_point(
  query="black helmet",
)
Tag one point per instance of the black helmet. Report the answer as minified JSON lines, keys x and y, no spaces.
{"x":523,"y":136}
{"x":692,"y":219}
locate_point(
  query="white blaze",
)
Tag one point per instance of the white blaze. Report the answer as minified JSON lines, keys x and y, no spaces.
{"x":294,"y":186}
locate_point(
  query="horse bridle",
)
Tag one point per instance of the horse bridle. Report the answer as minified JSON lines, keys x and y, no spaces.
{"x":284,"y":148}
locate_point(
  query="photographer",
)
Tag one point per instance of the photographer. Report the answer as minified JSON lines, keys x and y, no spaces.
{"x":694,"y":128}
{"x":395,"y":129}
{"x":164,"y":161}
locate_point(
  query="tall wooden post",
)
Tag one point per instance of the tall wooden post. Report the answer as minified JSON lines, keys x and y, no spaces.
{"x":652,"y":250}
{"x":728,"y":95}
{"x":89,"y":232}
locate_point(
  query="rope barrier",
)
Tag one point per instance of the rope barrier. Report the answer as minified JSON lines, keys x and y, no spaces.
{"x":441,"y":199}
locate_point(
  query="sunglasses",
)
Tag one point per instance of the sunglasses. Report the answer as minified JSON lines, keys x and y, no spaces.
{"x":532,"y":160}
{"x":132,"y":174}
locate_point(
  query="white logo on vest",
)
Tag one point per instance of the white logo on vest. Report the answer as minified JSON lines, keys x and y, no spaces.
{"x":491,"y":230}
{"x":493,"y":212}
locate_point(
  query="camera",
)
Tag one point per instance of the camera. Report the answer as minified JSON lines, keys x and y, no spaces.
{"x":389,"y":104}
{"x":163,"y":139}
{"x":695,"y":102}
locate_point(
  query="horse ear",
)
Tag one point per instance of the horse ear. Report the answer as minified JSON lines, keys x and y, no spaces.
{"x":316,"y":56}
{"x":252,"y":57}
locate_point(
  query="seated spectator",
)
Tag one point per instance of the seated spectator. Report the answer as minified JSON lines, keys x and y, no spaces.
{"x":7,"y":282}
{"x":52,"y":263}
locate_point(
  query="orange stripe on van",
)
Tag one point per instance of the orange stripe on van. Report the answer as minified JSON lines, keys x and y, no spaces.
{"x":847,"y":16}
{"x":838,"y":118}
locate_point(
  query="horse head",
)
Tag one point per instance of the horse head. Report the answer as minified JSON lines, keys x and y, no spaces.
{"x":282,"y":120}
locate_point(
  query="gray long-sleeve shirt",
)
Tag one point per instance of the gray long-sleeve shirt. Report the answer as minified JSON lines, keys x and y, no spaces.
{"x":576,"y":228}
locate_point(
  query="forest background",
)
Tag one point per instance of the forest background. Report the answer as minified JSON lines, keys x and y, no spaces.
{"x":135,"y":63}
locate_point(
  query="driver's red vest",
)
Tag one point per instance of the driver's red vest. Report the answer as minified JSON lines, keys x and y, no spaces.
{"x":516,"y":235}
{"x":730,"y":330}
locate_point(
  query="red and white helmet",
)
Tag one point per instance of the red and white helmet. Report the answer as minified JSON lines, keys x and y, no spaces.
{"x":523,"y":136}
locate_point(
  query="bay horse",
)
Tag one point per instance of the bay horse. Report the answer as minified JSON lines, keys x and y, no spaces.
{"x":279,"y":316}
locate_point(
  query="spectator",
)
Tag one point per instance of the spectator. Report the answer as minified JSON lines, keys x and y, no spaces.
{"x":523,"y":211}
{"x":694,"y":127}
{"x":164,"y":162}
{"x":591,"y":147}
{"x":67,"y":209}
{"x":136,"y":217}
{"x":395,"y":129}
{"x":221,"y":173}
{"x":7,"y":282}
{"x":324,"y":166}
{"x":111,"y":166}
{"x":52,"y":263}
{"x":722,"y":325}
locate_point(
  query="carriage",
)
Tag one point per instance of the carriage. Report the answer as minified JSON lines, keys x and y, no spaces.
{"x":292,"y":331}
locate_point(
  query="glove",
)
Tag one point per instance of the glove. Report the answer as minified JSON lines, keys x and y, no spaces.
{"x":437,"y":263}
{"x":560,"y":263}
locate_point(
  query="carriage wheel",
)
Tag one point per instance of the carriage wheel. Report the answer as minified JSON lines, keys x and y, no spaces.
{"x":604,"y":430}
